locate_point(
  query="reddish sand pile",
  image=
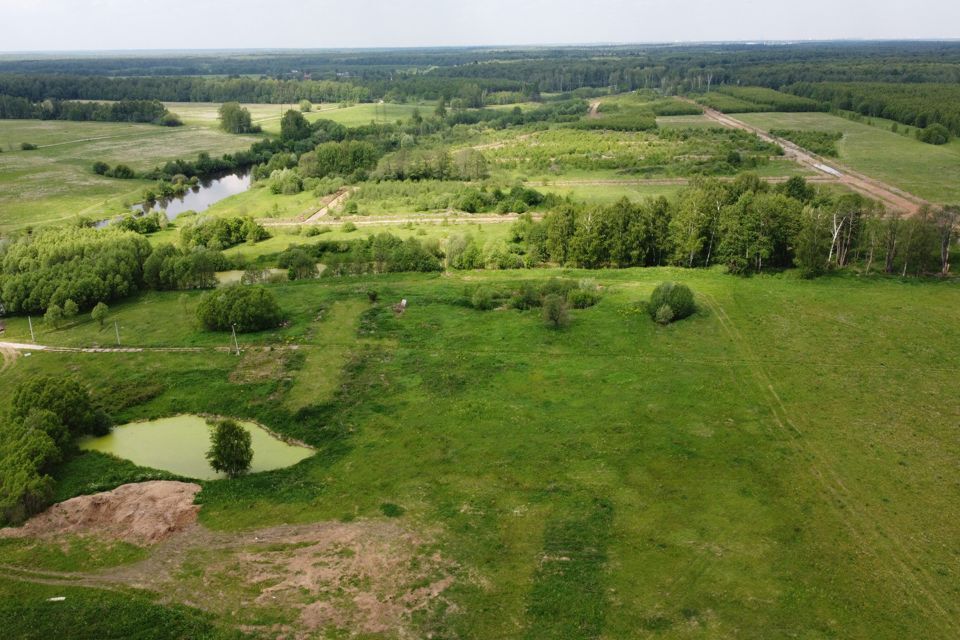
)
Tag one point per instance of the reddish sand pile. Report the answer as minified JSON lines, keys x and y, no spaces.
{"x":143,"y":514}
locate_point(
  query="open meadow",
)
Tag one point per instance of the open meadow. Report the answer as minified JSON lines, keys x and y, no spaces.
{"x":762,"y":469}
{"x":56,"y":182}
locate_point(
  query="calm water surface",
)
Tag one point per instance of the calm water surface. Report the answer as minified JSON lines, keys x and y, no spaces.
{"x":179,"y":445}
{"x":201,"y":197}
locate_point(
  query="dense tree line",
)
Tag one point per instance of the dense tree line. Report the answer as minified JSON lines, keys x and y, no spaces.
{"x":151,"y":111}
{"x":240,"y":307}
{"x":178,"y":89}
{"x":745,"y":225}
{"x":823,"y":143}
{"x":38,"y":431}
{"x":380,"y":253}
{"x":169,"y":268}
{"x":75,"y":263}
{"x":464,"y":73}
{"x":918,"y":105}
{"x":82,"y":266}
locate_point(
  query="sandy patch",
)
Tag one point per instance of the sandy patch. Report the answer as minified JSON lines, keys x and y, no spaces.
{"x":143,"y":514}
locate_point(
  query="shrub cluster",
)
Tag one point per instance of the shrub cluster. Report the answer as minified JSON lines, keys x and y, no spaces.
{"x":245,"y":307}
{"x":670,"y":302}
{"x":221,"y":233}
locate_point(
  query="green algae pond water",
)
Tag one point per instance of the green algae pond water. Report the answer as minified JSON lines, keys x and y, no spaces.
{"x":179,"y":444}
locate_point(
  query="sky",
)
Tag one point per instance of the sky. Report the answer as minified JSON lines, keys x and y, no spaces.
{"x":71,"y":25}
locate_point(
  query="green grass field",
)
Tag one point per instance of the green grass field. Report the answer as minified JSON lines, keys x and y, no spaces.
{"x":56,"y":182}
{"x":268,"y":115}
{"x":777,"y":466}
{"x":928,"y":171}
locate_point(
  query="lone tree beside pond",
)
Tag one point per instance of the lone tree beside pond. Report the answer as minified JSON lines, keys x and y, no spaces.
{"x":231,"y":449}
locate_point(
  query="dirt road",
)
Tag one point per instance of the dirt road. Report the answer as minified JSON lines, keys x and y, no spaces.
{"x":15,"y":348}
{"x":379,"y":221}
{"x":334,"y":202}
{"x":889,"y":195}
{"x":660,"y":182}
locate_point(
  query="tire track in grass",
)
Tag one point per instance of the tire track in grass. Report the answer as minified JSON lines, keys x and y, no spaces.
{"x":568,"y":600}
{"x":870,"y":535}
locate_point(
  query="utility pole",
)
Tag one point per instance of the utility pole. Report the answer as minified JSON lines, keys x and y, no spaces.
{"x":116,"y":327}
{"x":30,"y":322}
{"x":236,"y":345}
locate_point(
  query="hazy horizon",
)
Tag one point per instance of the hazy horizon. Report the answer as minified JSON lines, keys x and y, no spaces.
{"x":57,"y":26}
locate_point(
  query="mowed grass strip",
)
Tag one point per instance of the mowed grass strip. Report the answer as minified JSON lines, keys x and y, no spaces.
{"x":568,"y":600}
{"x":331,"y":342}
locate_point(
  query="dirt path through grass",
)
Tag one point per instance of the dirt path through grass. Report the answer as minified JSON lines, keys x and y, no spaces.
{"x":891,"y":196}
{"x":373,"y":576}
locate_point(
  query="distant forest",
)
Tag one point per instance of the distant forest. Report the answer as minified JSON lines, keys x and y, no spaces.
{"x":412,"y":74}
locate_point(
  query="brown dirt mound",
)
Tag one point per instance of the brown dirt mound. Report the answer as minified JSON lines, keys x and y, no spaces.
{"x":143,"y":514}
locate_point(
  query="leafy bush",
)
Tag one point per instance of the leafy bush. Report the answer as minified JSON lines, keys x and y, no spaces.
{"x":122,"y":172}
{"x":248,"y":308}
{"x":66,"y":398}
{"x":934,"y":134}
{"x":285,"y":181}
{"x":26,"y":146}
{"x":526,"y":297}
{"x":26,"y":456}
{"x":677,"y":297}
{"x":142,"y":224}
{"x":823,"y":143}
{"x":555,"y":311}
{"x":664,"y":314}
{"x":558,"y":286}
{"x":582,"y":298}
{"x":221,"y":233}
{"x":483,"y":298}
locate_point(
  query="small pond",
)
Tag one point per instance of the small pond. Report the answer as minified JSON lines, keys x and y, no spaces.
{"x":201,"y":197}
{"x":179,"y":445}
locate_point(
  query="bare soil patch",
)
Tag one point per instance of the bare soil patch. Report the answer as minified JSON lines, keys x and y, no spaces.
{"x":347,"y":579}
{"x":142,"y":514}
{"x":259,"y":365}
